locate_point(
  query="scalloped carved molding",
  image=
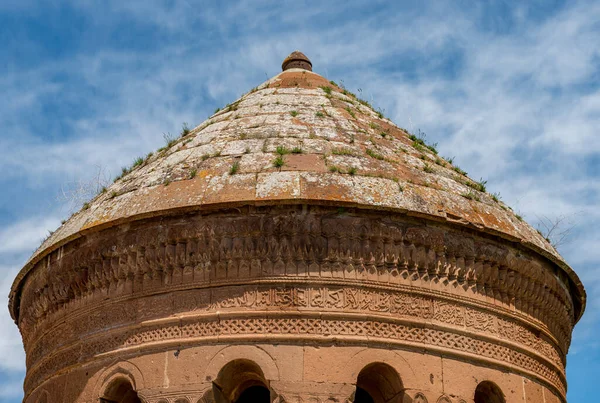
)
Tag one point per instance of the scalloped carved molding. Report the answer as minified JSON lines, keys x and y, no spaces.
{"x":374,"y":263}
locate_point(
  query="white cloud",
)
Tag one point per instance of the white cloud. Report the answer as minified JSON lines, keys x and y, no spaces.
{"x":26,"y":235}
{"x":11,"y":346}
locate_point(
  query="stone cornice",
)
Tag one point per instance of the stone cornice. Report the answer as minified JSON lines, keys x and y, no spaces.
{"x":572,"y":280}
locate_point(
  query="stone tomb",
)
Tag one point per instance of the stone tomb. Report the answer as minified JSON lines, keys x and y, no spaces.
{"x":296,"y":247}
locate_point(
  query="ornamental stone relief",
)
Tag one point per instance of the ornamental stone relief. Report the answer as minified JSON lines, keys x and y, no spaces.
{"x":213,"y":253}
{"x":315,"y":262}
{"x":289,"y":328}
{"x":419,"y":397}
{"x":339,"y":299}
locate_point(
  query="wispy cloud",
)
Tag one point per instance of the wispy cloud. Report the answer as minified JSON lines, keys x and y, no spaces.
{"x":22,"y":235}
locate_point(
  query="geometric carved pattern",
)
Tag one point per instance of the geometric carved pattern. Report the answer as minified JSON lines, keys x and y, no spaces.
{"x":363,"y":300}
{"x":399,"y":304}
{"x":475,"y":287}
{"x":316,"y":329}
{"x":216,"y":248}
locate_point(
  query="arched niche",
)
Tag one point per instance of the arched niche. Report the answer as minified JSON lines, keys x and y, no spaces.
{"x":241,"y":381}
{"x":255,"y":354}
{"x":488,"y":392}
{"x":120,"y":390}
{"x":378,"y":383}
{"x":420,"y":398}
{"x":122,"y":371}
{"x":355,"y":363}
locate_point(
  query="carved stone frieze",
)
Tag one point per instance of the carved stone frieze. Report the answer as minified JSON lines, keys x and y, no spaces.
{"x":422,"y":285}
{"x":396,"y":304}
{"x":297,"y":327}
{"x":205,"y":250}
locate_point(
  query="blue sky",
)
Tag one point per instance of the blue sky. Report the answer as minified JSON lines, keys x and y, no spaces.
{"x":511,"y":89}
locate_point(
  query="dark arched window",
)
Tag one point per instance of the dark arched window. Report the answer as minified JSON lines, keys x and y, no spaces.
{"x":241,"y":381}
{"x":488,"y":392}
{"x":256,"y":393}
{"x":378,"y":383}
{"x":120,"y":391}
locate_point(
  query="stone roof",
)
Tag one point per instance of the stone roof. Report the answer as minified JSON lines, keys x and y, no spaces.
{"x":299,"y":138}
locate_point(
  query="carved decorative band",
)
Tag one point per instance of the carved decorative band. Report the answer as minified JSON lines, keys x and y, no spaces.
{"x":200,"y":251}
{"x":298,"y":328}
{"x":410,"y":304}
{"x":286,"y":244}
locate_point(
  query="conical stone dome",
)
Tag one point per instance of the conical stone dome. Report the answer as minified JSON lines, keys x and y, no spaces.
{"x":297,"y":144}
{"x":336,"y":149}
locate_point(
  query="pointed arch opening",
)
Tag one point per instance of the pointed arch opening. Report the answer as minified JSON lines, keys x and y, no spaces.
{"x":378,"y":383}
{"x":120,"y":390}
{"x":489,"y":392}
{"x":241,"y":381}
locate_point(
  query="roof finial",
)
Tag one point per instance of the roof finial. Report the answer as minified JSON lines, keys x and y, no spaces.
{"x":296,"y":60}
